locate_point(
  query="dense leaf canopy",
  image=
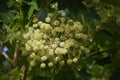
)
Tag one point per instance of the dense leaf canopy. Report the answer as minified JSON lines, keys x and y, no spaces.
{"x":59,"y":40}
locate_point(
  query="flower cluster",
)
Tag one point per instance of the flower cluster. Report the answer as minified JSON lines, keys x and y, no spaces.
{"x":57,"y":41}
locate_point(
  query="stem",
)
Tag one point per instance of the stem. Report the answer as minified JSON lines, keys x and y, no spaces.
{"x":108,"y":50}
{"x":1,"y":47}
{"x":9,"y":59}
{"x":25,"y":70}
{"x":16,"y":54}
{"x":77,"y":76}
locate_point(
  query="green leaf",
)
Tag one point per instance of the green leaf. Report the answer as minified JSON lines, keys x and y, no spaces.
{"x":33,"y":7}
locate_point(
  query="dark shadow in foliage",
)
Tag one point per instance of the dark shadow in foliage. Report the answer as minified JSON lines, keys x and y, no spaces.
{"x":105,"y":38}
{"x":3,"y":6}
{"x":115,"y":75}
{"x":65,"y":74}
{"x":73,"y":6}
{"x":104,"y":61}
{"x":40,"y":78}
{"x":84,"y":75}
{"x":77,"y":6}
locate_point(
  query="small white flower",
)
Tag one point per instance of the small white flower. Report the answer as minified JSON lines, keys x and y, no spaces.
{"x":62,"y":62}
{"x":54,"y":46}
{"x":50,"y":64}
{"x":32,"y":63}
{"x":35,"y":25}
{"x":28,"y":48}
{"x":62,"y":44}
{"x":75,"y":60}
{"x":69,"y":61}
{"x":42,"y":65}
{"x":56,"y":23}
{"x":48,"y":19}
{"x":43,"y":58}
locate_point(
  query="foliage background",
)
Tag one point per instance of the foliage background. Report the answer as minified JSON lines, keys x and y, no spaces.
{"x":100,"y":17}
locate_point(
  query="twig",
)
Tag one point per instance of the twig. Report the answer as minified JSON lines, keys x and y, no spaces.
{"x":25,"y":70}
{"x":16,"y":53}
{"x":98,"y":52}
{"x":1,"y":47}
{"x":77,"y":76}
{"x":108,"y":50}
{"x":9,"y":59}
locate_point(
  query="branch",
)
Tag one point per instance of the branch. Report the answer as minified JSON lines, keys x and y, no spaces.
{"x":9,"y":59}
{"x":5,"y":55}
{"x":16,"y":54}
{"x":25,"y":70}
{"x":77,"y":76}
{"x":1,"y":47}
{"x":108,"y":50}
{"x":98,"y":52}
{"x":14,"y":61}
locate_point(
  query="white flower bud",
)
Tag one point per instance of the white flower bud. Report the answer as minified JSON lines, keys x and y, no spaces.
{"x":26,"y":36}
{"x":47,"y":19}
{"x":58,"y":50}
{"x":50,"y":64}
{"x":54,"y":46}
{"x":36,"y":31}
{"x":51,"y":52}
{"x":77,"y":35}
{"x":87,"y":50}
{"x":50,"y":15}
{"x":56,"y":23}
{"x":35,"y":25}
{"x":63,"y":51}
{"x":45,"y":36}
{"x":75,"y":60}
{"x":41,"y":46}
{"x":43,"y":58}
{"x":46,"y":47}
{"x":57,"y":58}
{"x":69,"y":61}
{"x":57,"y":39}
{"x":82,"y":47}
{"x":62,"y":20}
{"x":31,"y":29}
{"x":32,"y":55}
{"x":53,"y":32}
{"x":39,"y":23}
{"x":35,"y":47}
{"x":29,"y":42}
{"x":37,"y":36}
{"x":62,"y":62}
{"x":32,"y":63}
{"x":35,"y":20}
{"x":62,"y":44}
{"x":28,"y":48}
{"x":42,"y":65}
